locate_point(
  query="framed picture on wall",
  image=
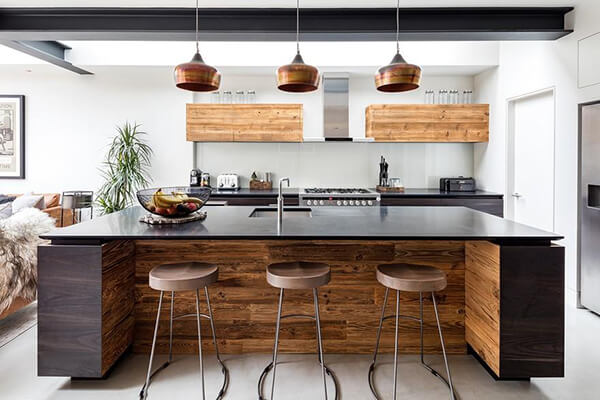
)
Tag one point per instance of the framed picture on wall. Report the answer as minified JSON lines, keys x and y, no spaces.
{"x":12,"y":137}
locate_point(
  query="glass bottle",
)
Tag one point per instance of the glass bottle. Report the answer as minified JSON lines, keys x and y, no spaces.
{"x":227,"y":98}
{"x":215,"y":97}
{"x":239,"y":97}
{"x":251,"y":97}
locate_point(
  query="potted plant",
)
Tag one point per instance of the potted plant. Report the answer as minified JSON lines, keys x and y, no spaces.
{"x":125,"y":170}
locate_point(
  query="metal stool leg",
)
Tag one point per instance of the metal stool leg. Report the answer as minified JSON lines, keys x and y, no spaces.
{"x":276,"y":342}
{"x":372,"y":366}
{"x":144,"y":392}
{"x":396,"y":342}
{"x":437,"y":318}
{"x":224,"y":369}
{"x":319,"y":342}
{"x":171,"y":329}
{"x":200,"y":341}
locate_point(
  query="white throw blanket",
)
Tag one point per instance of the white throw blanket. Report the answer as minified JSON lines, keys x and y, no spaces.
{"x":19,"y":238}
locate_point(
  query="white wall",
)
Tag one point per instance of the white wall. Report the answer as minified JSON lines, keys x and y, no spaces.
{"x":526,"y":67}
{"x":420,"y":165}
{"x":70,"y":120}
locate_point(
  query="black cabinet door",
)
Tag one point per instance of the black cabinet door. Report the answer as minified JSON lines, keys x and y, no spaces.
{"x":254,"y":200}
{"x":494,"y":206}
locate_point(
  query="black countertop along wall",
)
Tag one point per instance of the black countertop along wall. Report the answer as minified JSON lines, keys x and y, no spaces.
{"x":294,"y":192}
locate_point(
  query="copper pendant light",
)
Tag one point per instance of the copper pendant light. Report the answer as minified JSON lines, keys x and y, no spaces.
{"x":398,"y":75}
{"x":195,"y":75}
{"x":297,"y":77}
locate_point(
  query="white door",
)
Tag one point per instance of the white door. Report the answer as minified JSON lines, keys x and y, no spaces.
{"x":530,"y":161}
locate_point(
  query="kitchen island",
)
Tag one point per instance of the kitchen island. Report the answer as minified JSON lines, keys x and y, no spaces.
{"x":504,"y":302}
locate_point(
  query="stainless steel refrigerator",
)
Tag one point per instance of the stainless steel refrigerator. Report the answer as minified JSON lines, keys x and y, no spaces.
{"x":589,"y":206}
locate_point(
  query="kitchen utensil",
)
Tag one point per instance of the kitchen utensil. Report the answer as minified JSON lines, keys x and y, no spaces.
{"x":205,"y":180}
{"x":173,"y":202}
{"x":460,"y":184}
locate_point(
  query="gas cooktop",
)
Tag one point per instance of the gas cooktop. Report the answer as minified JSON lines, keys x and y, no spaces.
{"x":337,"y":191}
{"x":339,"y":197}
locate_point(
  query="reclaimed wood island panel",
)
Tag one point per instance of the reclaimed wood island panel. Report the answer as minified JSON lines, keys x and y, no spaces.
{"x":504,"y":300}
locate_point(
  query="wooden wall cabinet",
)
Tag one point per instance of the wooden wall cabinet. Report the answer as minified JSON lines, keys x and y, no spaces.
{"x":244,"y":122}
{"x":428,"y":122}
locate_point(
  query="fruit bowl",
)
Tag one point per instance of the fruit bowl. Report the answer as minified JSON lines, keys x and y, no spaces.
{"x":173,"y":202}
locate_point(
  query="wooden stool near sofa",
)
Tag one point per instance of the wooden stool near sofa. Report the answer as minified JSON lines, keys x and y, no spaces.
{"x":410,"y":278}
{"x":298,"y":275}
{"x":178,"y":277}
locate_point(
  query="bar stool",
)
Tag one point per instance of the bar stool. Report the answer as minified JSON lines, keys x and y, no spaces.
{"x":178,"y":277}
{"x":298,"y":275}
{"x":410,"y":278}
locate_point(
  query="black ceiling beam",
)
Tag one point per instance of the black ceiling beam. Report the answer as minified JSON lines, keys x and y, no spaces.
{"x":269,"y":24}
{"x":49,"y":51}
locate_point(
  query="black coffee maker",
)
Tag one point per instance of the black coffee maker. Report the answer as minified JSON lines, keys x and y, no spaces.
{"x":195,"y":178}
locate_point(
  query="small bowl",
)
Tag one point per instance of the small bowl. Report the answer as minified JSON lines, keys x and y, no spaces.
{"x":173,"y":202}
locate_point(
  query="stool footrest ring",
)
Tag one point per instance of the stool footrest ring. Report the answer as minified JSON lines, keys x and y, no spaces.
{"x":263,"y":377}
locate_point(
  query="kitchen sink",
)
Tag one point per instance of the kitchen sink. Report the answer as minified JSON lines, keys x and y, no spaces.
{"x":287,"y":212}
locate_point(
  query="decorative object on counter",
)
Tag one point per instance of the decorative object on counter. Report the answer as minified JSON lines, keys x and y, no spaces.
{"x":398,"y":75}
{"x":259,"y":184}
{"x":227,"y":97}
{"x":125,"y":169}
{"x":383,"y":172}
{"x":251,"y":97}
{"x":215,"y":97}
{"x":81,"y":203}
{"x":152,"y":219}
{"x":205,"y":181}
{"x":460,"y":184}
{"x":195,"y":75}
{"x":240,"y":97}
{"x":467,"y":97}
{"x":256,"y":184}
{"x":394,"y":185}
{"x":12,"y":137}
{"x":297,"y":77}
{"x":173,"y":202}
{"x":228,"y":182}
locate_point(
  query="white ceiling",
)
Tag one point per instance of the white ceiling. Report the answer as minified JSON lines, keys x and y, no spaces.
{"x":286,"y":3}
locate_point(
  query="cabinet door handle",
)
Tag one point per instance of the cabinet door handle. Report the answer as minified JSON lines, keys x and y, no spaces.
{"x":517,"y":195}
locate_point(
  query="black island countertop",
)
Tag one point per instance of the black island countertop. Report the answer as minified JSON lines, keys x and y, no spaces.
{"x":361,"y":223}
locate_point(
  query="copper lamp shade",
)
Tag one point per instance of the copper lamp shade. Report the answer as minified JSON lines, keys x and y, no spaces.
{"x":197,"y":76}
{"x":398,"y":76}
{"x":297,"y":77}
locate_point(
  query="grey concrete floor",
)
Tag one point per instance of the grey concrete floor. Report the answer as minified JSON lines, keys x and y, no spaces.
{"x":298,"y":376}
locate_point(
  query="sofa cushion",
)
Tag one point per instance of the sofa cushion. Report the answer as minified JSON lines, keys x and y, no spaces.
{"x":51,"y":200}
{"x":6,"y":198}
{"x":5,"y":210}
{"x":28,"y":201}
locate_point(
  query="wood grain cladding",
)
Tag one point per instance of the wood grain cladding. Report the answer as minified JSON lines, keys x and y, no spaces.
{"x":482,"y":302}
{"x":245,"y":306}
{"x":118,"y":295}
{"x":244,"y":122}
{"x":428,"y":122}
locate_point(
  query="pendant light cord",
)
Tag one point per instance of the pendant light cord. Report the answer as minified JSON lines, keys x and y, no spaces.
{"x":197,"y":46}
{"x":397,"y":26}
{"x":298,"y":26}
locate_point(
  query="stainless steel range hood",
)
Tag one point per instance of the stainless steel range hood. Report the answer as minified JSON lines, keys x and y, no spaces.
{"x":335,"y":107}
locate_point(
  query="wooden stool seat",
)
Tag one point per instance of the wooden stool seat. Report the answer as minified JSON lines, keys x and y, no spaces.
{"x":411,"y":277}
{"x":183,"y":276}
{"x":298,"y":275}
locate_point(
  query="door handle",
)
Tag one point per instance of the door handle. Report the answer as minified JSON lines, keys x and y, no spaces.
{"x":517,"y":195}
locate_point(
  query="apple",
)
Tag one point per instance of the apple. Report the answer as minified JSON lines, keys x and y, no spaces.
{"x":160,"y":211}
{"x":191,"y":206}
{"x":172,"y":210}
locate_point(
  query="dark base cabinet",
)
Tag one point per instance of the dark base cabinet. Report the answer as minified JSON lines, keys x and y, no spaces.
{"x":255,"y":200}
{"x":491,"y":205}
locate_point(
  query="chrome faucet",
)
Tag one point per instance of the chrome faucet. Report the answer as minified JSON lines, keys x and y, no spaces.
{"x":280,"y":203}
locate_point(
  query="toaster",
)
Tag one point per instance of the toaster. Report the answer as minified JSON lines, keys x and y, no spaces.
{"x":228,"y":182}
{"x":460,"y":184}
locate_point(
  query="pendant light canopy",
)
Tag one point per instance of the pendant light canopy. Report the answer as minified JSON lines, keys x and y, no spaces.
{"x":297,"y":77}
{"x":398,"y":75}
{"x":195,"y":75}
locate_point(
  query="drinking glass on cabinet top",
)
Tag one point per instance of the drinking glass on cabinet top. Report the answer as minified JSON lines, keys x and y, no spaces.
{"x":227,"y":97}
